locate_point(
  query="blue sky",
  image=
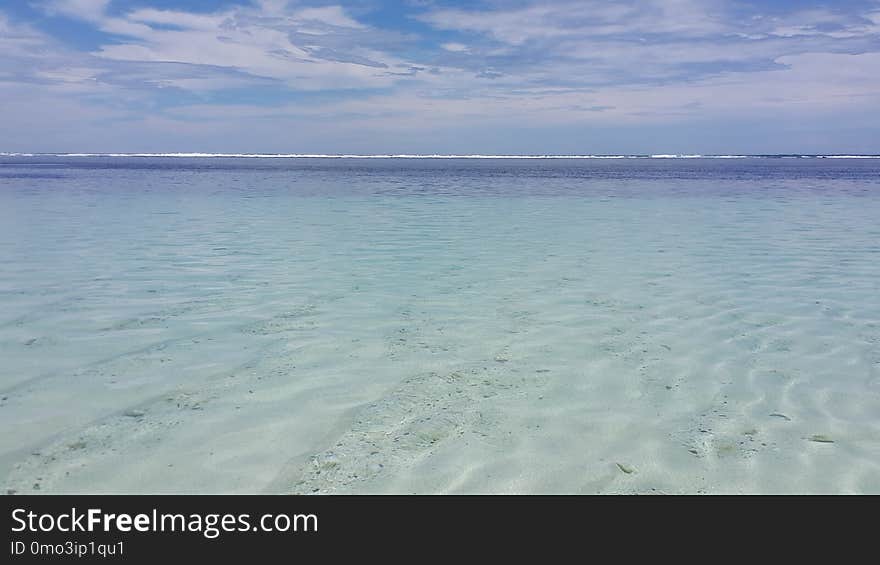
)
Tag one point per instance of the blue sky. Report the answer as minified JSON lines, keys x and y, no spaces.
{"x":426,"y":76}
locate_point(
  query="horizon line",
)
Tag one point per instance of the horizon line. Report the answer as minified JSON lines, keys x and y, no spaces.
{"x":449,"y":156}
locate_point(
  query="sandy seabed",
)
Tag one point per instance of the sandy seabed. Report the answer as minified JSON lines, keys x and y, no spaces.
{"x":219,"y":340}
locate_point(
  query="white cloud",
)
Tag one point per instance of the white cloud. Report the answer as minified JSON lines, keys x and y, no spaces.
{"x":90,"y":10}
{"x":330,"y":15}
{"x":455,"y":47}
{"x":305,"y":48}
{"x":18,"y":41}
{"x":583,"y":18}
{"x":179,"y":19}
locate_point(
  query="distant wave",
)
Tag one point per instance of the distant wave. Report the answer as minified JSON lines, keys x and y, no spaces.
{"x":847,"y":156}
{"x":432,"y":156}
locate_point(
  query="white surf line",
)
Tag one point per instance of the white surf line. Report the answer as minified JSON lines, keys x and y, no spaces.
{"x":432,"y":156}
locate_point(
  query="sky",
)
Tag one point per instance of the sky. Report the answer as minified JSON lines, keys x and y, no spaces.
{"x":436,"y":76}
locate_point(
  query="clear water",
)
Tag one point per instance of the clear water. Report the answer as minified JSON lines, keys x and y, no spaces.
{"x":433,"y":326}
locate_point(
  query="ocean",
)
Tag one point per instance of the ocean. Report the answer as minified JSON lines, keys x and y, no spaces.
{"x":198,"y":324}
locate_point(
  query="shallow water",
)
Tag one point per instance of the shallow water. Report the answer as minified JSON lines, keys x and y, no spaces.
{"x":431,"y":326}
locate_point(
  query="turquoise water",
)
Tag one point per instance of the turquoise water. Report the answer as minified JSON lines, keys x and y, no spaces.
{"x":434,"y":326}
